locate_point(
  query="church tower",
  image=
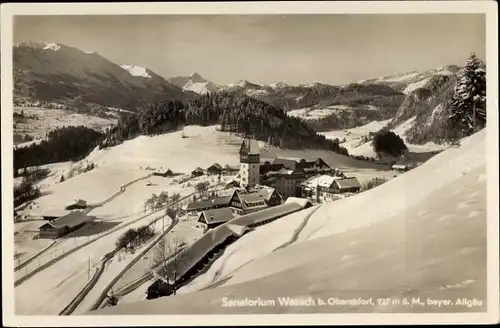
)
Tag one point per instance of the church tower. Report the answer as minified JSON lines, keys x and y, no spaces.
{"x":249,"y":163}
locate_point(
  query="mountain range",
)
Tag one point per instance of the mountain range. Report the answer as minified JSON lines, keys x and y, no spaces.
{"x":61,"y":74}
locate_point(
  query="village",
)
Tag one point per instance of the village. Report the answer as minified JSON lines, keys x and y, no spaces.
{"x":254,"y":186}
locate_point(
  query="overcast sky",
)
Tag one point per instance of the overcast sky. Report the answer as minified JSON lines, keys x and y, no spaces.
{"x":334,"y":49}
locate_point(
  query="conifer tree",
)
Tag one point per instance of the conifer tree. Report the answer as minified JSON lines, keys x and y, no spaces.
{"x":468,"y":103}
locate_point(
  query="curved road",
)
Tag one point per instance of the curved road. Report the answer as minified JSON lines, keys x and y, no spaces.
{"x":57,"y":259}
{"x":71,"y":307}
{"x":55,"y":242}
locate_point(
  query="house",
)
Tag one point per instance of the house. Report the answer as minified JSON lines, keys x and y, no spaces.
{"x":215,"y":217}
{"x":320,"y":188}
{"x":206,"y":204}
{"x":163,"y":172}
{"x":63,"y":225}
{"x":286,"y":182}
{"x":215,"y":169}
{"x":78,"y":204}
{"x":197,"y":172}
{"x":347,"y":185}
{"x":270,"y":195}
{"x":243,"y":202}
{"x":400,"y":167}
{"x":268,"y":167}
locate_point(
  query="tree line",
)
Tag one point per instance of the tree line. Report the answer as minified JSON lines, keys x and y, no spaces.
{"x":62,"y":144}
{"x":235,"y":112}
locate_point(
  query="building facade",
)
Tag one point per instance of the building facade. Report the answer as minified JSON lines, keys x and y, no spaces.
{"x":249,"y":163}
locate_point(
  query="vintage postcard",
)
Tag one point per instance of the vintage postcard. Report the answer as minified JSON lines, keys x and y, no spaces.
{"x":250,"y":163}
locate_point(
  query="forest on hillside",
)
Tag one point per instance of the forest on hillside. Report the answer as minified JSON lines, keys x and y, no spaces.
{"x":235,"y":112}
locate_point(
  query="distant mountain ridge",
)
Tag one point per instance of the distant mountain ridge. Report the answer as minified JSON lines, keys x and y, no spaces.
{"x":62,"y":74}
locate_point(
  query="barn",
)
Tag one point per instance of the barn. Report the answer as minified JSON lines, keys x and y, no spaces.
{"x":197,"y":172}
{"x":161,"y":172}
{"x":215,"y":169}
{"x":63,"y":225}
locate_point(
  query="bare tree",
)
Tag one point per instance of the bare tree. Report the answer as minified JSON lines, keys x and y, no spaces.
{"x":168,"y":251}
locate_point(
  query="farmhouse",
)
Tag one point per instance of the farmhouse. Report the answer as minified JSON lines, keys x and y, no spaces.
{"x":243,"y":203}
{"x":63,"y":225}
{"x":215,"y":217}
{"x":197,"y":172}
{"x":347,"y":185}
{"x":215,"y":169}
{"x":161,"y":172}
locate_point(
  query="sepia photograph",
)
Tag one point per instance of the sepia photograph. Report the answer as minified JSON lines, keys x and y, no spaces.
{"x":198,"y":159}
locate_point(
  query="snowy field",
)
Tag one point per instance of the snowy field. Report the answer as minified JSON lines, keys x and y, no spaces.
{"x":405,"y":238}
{"x":355,"y":146}
{"x":50,"y":119}
{"x":115,"y":167}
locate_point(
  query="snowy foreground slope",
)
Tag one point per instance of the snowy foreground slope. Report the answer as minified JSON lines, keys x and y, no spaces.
{"x":421,"y":235}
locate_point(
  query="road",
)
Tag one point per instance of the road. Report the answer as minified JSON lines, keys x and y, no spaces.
{"x":71,"y":307}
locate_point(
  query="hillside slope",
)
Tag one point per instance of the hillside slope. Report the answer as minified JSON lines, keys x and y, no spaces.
{"x":61,"y":74}
{"x":407,"y":238}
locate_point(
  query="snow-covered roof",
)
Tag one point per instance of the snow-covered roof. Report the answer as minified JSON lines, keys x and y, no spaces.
{"x":301,"y":201}
{"x":70,"y":220}
{"x":217,"y":215}
{"x":348,"y":183}
{"x":325,"y":181}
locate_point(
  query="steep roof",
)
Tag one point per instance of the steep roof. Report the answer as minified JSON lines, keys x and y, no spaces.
{"x":205,"y":203}
{"x":265,"y":192}
{"x":216,"y":166}
{"x":287,"y":163}
{"x":70,"y":220}
{"x":250,"y":147}
{"x":217,"y":215}
{"x":348,"y":183}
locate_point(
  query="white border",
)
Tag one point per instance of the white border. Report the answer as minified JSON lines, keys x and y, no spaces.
{"x":359,"y":7}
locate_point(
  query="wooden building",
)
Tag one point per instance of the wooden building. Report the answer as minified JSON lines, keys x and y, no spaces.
{"x":215,"y":169}
{"x":243,"y":202}
{"x":197,"y":172}
{"x":63,"y":225}
{"x":215,"y":217}
{"x":163,"y":173}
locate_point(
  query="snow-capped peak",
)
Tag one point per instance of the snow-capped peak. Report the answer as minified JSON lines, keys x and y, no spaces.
{"x":277,"y":85}
{"x":52,"y":46}
{"x":135,"y":70}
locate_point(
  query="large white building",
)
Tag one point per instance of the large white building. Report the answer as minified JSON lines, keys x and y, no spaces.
{"x":249,"y":163}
